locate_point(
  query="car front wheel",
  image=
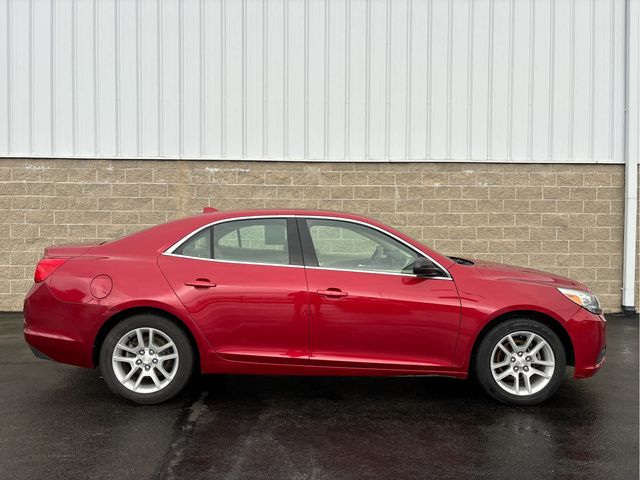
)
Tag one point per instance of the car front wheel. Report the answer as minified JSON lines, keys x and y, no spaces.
{"x":520,"y":362}
{"x":146,"y":359}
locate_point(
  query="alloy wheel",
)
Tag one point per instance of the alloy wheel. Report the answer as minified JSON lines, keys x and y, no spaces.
{"x":522,"y":363}
{"x":145,"y":360}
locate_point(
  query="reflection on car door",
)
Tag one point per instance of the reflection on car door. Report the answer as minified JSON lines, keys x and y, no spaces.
{"x":245,"y":286}
{"x":365,"y":311}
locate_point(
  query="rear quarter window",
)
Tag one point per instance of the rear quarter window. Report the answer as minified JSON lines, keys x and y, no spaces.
{"x":198,"y":246}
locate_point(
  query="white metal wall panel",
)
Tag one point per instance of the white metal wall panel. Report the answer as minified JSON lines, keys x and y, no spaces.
{"x":440,"y":80}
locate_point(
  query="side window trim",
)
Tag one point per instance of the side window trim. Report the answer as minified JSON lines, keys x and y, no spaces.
{"x":308,"y":251}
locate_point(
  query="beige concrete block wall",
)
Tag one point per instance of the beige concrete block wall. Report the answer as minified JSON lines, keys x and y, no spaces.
{"x":566,"y":219}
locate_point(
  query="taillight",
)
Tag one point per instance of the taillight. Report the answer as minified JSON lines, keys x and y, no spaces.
{"x":46,"y":267}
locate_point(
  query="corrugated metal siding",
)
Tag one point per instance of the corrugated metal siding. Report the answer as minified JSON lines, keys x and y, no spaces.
{"x":484,"y":80}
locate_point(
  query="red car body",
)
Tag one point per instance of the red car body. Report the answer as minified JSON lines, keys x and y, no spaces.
{"x":274,"y":319}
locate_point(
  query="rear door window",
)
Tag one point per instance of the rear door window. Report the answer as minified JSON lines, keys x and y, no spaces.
{"x":263,"y":240}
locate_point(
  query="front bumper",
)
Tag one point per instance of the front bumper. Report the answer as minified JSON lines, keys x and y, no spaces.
{"x":60,"y":331}
{"x":589,"y":337}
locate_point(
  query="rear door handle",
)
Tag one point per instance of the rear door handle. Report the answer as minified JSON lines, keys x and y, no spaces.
{"x":200,"y":283}
{"x":332,"y":292}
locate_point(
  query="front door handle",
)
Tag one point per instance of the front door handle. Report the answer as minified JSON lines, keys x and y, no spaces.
{"x":200,"y":283}
{"x":332,"y":292}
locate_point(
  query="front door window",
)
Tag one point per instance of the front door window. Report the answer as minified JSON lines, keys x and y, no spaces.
{"x":350,"y":246}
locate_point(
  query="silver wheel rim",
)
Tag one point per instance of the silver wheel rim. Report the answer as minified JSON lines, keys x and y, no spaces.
{"x":522,"y":363}
{"x":145,"y":360}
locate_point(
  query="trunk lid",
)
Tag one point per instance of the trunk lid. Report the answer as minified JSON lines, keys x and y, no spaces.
{"x":67,"y":251}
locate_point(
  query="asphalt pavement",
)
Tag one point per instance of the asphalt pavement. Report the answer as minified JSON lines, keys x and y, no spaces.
{"x":62,"y":422}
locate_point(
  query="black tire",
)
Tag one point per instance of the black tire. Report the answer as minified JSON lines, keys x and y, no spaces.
{"x":168,"y":328}
{"x":485,"y":349}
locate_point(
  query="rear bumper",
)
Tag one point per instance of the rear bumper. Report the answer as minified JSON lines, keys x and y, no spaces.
{"x":39,"y":354}
{"x":60,"y":331}
{"x":589,"y":336}
{"x":56,"y":347}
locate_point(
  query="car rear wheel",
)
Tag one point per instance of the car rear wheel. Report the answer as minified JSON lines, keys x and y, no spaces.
{"x":520,"y":362}
{"x":146,"y":359}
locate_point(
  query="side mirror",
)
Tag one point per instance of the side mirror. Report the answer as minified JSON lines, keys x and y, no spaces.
{"x":426,"y":268}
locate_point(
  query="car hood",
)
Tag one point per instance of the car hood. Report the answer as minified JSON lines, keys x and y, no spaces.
{"x":500,"y":271}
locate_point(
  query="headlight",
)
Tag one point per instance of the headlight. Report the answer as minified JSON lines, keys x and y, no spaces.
{"x":584,"y":299}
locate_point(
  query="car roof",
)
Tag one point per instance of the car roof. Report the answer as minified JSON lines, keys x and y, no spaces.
{"x":257,"y":212}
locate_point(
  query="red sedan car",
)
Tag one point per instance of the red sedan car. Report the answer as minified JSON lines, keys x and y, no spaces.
{"x":297,"y":292}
